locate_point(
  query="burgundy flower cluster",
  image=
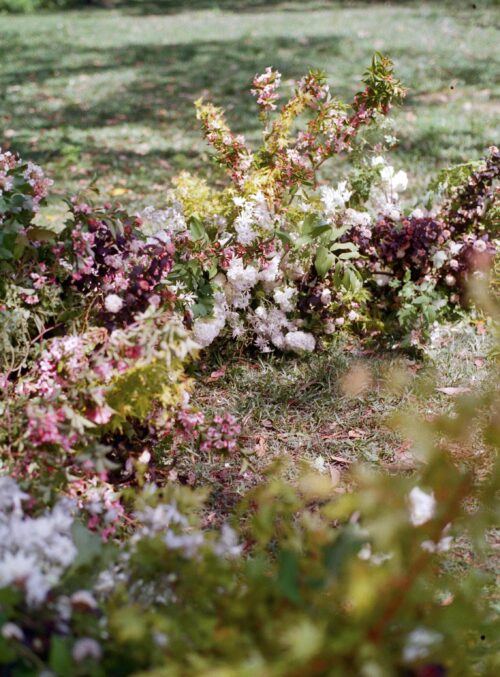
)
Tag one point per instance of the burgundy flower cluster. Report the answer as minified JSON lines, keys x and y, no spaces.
{"x":476,"y":256}
{"x":468,"y":203}
{"x":108,"y":253}
{"x":394,"y":247}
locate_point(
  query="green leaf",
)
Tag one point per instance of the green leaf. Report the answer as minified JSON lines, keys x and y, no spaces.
{"x":310,"y":222}
{"x":320,"y":230}
{"x":197,"y":229}
{"x":284,"y":237}
{"x":324,"y":261}
{"x":41,"y":234}
{"x":288,"y":574}
{"x":88,"y":545}
{"x":60,"y":659}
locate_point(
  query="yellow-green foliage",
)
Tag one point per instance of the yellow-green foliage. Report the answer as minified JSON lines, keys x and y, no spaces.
{"x":157,"y":378}
{"x":133,"y":394}
{"x":198,"y":199}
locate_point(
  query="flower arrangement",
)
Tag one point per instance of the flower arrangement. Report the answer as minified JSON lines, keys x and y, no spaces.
{"x":108,"y":565}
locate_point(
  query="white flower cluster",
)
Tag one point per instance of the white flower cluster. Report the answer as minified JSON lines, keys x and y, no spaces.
{"x":253,"y":213}
{"x":256,"y":286}
{"x":384,"y":197}
{"x":163,"y":224}
{"x":334,"y":199}
{"x":268,"y":323}
{"x":422,"y":506}
{"x":34,"y":552}
{"x":166,"y":521}
{"x":420,"y":643}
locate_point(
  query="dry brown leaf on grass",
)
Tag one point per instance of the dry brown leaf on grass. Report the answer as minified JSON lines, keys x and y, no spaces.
{"x":451,"y":390}
{"x":217,"y":374}
{"x":260,"y":446}
{"x":342,"y":460}
{"x":356,"y":434}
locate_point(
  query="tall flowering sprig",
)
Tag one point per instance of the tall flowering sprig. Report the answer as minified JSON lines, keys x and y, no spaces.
{"x":231,"y":149}
{"x":287,"y":160}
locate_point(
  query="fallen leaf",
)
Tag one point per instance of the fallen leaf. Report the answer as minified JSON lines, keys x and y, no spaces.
{"x":356,"y":434}
{"x":340,"y":459}
{"x":458,"y":390}
{"x":217,"y":374}
{"x":118,"y":191}
{"x":334,"y":475}
{"x":260,"y":447}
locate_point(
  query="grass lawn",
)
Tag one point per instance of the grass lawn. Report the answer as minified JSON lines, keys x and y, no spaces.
{"x":110,"y":92}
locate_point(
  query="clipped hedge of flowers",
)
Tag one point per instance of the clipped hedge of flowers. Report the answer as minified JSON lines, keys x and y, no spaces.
{"x":107,"y":564}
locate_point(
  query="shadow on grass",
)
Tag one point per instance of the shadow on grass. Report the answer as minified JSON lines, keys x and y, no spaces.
{"x":152,"y":7}
{"x":165,"y":81}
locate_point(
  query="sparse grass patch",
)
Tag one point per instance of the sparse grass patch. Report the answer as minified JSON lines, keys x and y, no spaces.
{"x":110,"y":92}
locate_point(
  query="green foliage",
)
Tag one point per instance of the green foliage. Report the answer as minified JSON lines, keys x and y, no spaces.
{"x":330,"y":583}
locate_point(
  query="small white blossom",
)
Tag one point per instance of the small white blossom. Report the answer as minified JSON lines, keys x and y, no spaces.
{"x":241,"y":277}
{"x":319,"y":464}
{"x":334,"y":199}
{"x":422,"y":506}
{"x":326,"y":297}
{"x":419,"y":644}
{"x":285,"y":297}
{"x":86,"y":648}
{"x":355,"y":218}
{"x":439,"y":258}
{"x":83,"y":598}
{"x":299,"y":341}
{"x":227,"y":545}
{"x":394,"y":182}
{"x":113,"y":303}
{"x":12,"y":631}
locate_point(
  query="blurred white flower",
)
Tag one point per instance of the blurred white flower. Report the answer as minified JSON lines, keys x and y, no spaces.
{"x":113,"y":303}
{"x":422,"y":506}
{"x":86,"y":648}
{"x":12,"y":631}
{"x":419,"y":643}
{"x":299,"y":341}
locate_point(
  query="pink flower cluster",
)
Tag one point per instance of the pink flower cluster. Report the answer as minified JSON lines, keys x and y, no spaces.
{"x":40,"y":184}
{"x":218,"y":435}
{"x":12,"y":167}
{"x":222,"y":435}
{"x":8,"y":162}
{"x":265,"y":88}
{"x":48,"y":425}
{"x":100,"y":502}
